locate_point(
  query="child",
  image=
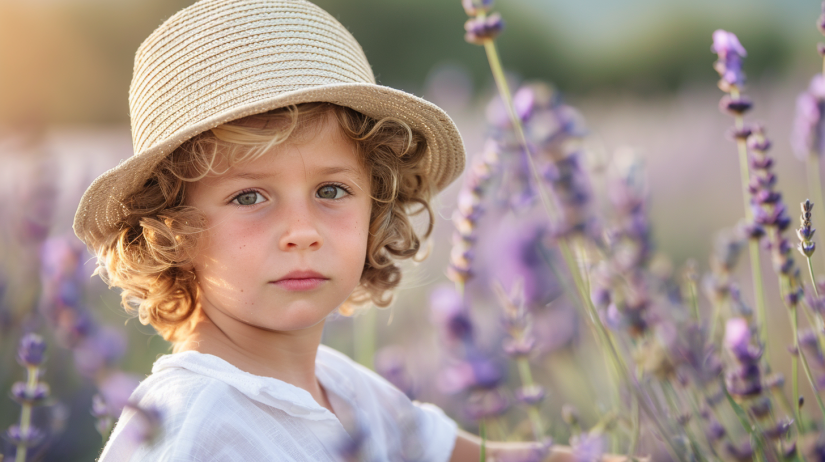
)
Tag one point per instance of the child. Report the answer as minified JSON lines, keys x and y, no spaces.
{"x":272,"y":183}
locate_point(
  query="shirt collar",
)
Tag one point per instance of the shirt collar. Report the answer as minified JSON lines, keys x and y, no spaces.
{"x":270,"y":391}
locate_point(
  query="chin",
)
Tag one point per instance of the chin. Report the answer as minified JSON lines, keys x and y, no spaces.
{"x":297,"y":318}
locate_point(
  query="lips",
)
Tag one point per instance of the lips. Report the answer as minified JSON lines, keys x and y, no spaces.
{"x":302,"y":274}
{"x":301,"y":280}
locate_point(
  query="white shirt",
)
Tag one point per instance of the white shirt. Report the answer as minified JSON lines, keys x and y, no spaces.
{"x":213,"y":411}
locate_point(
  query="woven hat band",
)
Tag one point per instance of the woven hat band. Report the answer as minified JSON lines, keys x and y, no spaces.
{"x":218,"y":55}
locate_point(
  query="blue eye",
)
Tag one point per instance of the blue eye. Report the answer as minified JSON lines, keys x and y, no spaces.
{"x":331,"y":191}
{"x":248,"y":198}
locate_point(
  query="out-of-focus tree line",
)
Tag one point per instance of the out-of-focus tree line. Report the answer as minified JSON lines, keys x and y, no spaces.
{"x":70,"y":61}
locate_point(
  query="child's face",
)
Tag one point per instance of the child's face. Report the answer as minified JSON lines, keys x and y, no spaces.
{"x":302,"y":206}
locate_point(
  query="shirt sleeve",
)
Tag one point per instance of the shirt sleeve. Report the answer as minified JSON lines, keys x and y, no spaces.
{"x":399,"y":429}
{"x":438,"y":430}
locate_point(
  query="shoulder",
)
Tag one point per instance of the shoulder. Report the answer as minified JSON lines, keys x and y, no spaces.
{"x":189,"y":405}
{"x":399,"y":428}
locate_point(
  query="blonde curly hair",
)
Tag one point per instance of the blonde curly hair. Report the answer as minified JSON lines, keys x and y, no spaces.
{"x":150,"y":257}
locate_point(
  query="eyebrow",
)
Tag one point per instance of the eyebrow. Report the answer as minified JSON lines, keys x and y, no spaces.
{"x":321,"y":171}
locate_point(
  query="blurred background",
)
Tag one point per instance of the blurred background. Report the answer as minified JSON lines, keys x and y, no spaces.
{"x":640,"y":72}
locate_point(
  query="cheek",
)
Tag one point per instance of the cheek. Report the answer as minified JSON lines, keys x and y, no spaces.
{"x":349,"y":234}
{"x":228,"y":246}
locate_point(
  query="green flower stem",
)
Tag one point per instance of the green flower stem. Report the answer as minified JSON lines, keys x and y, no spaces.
{"x":786,"y":406}
{"x":526,"y":377}
{"x":673,"y":398}
{"x":759,"y":293}
{"x":613,"y":352}
{"x":26,"y":413}
{"x":813,"y":279}
{"x":753,"y":245}
{"x":815,"y":184}
{"x":744,"y":171}
{"x":743,"y":419}
{"x":715,"y":321}
{"x":694,"y":299}
{"x":504,"y":91}
{"x":817,"y":321}
{"x":364,"y":337}
{"x":482,"y":430}
{"x":636,"y":427}
{"x":808,"y":374}
{"x":696,"y":414}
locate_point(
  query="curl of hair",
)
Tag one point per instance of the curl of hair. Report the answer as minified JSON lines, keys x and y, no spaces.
{"x":151,"y":257}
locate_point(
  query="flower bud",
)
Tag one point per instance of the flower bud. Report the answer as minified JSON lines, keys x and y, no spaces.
{"x":570,"y":415}
{"x":479,"y":30}
{"x":31,"y":350}
{"x":21,"y":393}
{"x":26,"y":438}
{"x":735,"y":106}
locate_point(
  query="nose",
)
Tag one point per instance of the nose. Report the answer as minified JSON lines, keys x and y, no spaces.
{"x":301,"y":231}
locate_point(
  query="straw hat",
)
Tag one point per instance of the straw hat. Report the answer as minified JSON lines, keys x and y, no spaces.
{"x":220,"y":60}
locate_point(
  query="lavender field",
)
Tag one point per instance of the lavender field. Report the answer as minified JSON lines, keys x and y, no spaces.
{"x":622,"y":268}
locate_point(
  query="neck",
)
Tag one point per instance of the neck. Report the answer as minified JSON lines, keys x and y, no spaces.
{"x":286,"y":356}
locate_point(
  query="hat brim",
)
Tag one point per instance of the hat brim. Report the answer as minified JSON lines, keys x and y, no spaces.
{"x":102,"y":205}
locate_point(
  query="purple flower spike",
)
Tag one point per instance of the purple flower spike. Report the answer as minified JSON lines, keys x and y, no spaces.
{"x":745,"y":380}
{"x":808,"y":135}
{"x":729,"y":65}
{"x":480,"y":30}
{"x":31,"y":350}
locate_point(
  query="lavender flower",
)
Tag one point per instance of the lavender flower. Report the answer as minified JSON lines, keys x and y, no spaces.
{"x":147,"y":424}
{"x":31,"y":350}
{"x":729,"y":65}
{"x":486,"y":403}
{"x":482,"y":29}
{"x":390,"y":363}
{"x":809,"y":346}
{"x":735,"y":106}
{"x":741,"y":452}
{"x":531,"y":395}
{"x":450,"y":315}
{"x":808,"y":135}
{"x":769,"y":210}
{"x":25,"y":435}
{"x":694,"y":351}
{"x":469,"y":212}
{"x":745,"y":380}
{"x":471,"y":367}
{"x":806,"y":232}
